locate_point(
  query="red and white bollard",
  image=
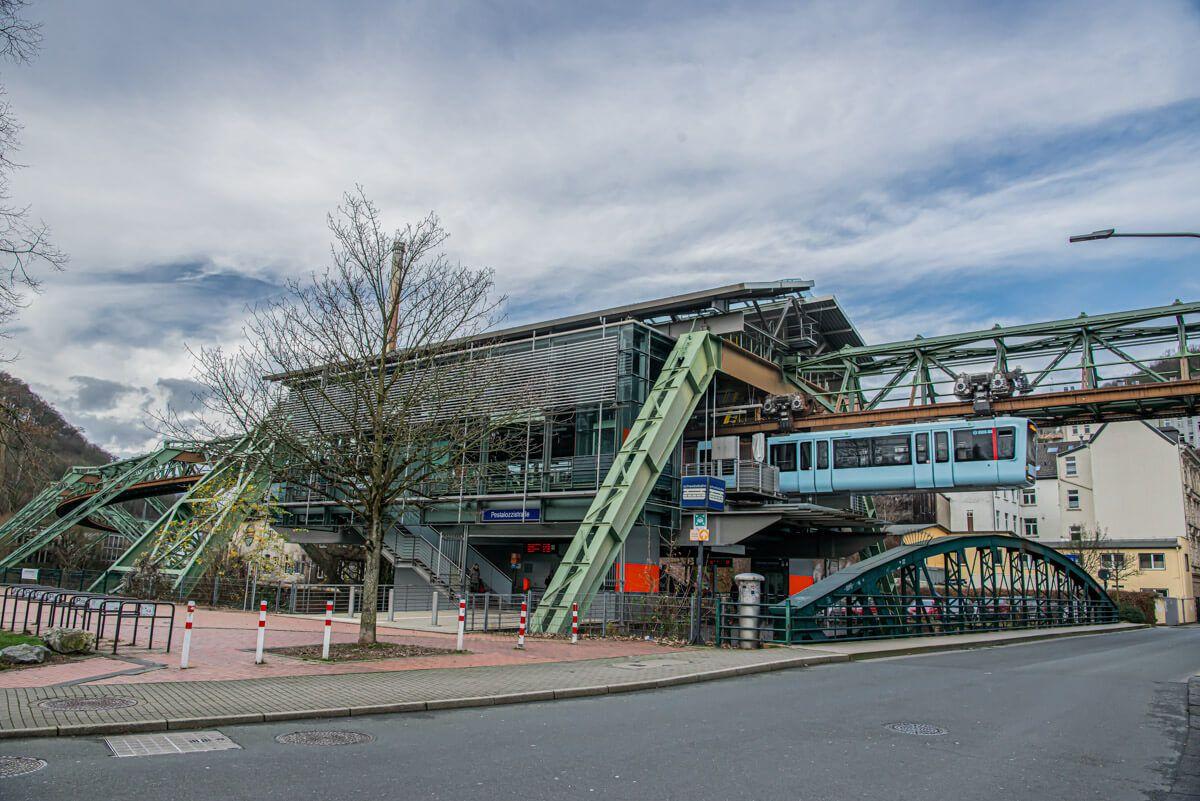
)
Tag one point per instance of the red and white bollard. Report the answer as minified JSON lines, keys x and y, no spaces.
{"x":187,"y":636}
{"x":574,"y":623}
{"x":521,"y":630}
{"x":262,"y":632}
{"x":462,"y":621}
{"x":328,"y":629}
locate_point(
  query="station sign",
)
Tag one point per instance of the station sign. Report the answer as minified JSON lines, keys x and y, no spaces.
{"x":703,"y":492}
{"x":528,"y":514}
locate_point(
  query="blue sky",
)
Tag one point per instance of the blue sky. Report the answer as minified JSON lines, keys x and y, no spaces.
{"x":923,"y":162}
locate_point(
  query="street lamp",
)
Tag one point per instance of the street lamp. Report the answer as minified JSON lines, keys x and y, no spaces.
{"x":1109,"y":233}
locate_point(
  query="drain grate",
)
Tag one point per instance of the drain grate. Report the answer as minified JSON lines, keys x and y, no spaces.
{"x":182,"y":742}
{"x":13,"y":766}
{"x":100,"y":704}
{"x":324,"y":738}
{"x":919,"y":729}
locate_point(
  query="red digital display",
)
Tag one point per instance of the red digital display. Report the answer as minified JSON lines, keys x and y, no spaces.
{"x":539,"y":547}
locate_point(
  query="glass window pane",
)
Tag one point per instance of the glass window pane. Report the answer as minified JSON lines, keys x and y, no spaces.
{"x":806,"y":456}
{"x":891,"y":451}
{"x":822,"y":455}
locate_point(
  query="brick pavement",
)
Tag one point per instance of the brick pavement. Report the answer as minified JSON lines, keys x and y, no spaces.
{"x":223,"y":649}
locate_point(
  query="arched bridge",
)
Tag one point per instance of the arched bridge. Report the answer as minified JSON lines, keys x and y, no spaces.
{"x":947,"y":585}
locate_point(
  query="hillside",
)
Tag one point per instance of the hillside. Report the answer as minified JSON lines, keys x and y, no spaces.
{"x":36,"y":444}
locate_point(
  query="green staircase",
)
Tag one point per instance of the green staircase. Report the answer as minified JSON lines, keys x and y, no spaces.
{"x":685,"y":376}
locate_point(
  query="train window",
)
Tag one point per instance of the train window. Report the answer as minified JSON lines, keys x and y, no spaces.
{"x":822,"y":455}
{"x":922,"y":449}
{"x":891,"y":451}
{"x":783,"y":456}
{"x":806,"y":456}
{"x":1006,"y":440}
{"x":851,"y":453}
{"x":973,"y":446}
{"x":941,"y":445}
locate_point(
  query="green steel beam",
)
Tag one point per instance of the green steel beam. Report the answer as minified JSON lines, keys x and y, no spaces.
{"x":109,"y":481}
{"x":636,"y":467}
{"x":181,"y":542}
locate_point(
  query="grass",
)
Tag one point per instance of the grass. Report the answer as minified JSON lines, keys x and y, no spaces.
{"x":7,"y":638}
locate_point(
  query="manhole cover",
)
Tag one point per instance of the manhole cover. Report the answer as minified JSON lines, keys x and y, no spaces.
{"x":919,"y":729}
{"x":324,"y":738}
{"x":87,"y":704}
{"x":11,"y":766}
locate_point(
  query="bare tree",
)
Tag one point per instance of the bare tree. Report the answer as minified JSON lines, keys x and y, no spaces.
{"x":24,"y":241}
{"x":369,"y":380}
{"x":1090,"y":548}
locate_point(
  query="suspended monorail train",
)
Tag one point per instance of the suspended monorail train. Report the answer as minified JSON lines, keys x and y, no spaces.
{"x":947,"y":454}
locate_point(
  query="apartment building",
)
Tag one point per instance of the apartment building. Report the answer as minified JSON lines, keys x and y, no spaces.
{"x":1136,"y":484}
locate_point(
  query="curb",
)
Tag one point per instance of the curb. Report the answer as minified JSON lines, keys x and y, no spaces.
{"x":784,"y":663}
{"x":972,"y":646}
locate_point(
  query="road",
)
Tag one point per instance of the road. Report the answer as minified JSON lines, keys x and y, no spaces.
{"x":1089,"y":717}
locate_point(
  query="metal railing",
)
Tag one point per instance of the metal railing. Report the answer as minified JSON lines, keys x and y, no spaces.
{"x":902,"y":616}
{"x":740,"y":475}
{"x":30,"y":608}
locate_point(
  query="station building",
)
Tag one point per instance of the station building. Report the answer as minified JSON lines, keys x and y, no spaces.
{"x":512,"y":508}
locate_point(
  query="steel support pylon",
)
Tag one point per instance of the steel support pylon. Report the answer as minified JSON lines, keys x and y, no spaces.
{"x":636,"y":467}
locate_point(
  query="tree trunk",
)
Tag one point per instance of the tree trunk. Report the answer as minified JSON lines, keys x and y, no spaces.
{"x":370,"y":600}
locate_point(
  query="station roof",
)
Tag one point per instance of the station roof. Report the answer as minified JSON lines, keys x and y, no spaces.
{"x":720,"y":299}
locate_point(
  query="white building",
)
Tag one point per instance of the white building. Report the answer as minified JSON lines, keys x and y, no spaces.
{"x":1137,"y":484}
{"x":988,"y":510}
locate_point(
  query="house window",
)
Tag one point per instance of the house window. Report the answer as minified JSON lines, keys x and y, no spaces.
{"x":1112,"y":561}
{"x":1028,"y":496}
{"x":1070,"y":467}
{"x":1152,"y":561}
{"x":1076,"y":532}
{"x":1072,"y":499}
{"x":997,"y":521}
{"x":1029,"y":524}
{"x":970,"y":520}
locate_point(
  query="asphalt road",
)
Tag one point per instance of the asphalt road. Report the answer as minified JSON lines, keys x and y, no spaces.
{"x":1089,"y":717}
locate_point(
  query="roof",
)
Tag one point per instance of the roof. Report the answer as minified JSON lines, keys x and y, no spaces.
{"x":721,"y":299}
{"x":1159,"y":542}
{"x":1046,"y":458}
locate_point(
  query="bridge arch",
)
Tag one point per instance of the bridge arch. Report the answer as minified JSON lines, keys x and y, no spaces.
{"x":947,"y":585}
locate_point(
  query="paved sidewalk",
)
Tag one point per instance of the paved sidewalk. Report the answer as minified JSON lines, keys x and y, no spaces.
{"x":193,"y":704}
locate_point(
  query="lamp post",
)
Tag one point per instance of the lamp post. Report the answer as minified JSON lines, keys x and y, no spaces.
{"x":1111,"y":233}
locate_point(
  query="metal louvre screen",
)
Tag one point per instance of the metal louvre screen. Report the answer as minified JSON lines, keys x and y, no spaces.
{"x":546,"y":374}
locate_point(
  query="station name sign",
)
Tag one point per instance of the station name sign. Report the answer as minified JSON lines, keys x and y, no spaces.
{"x":529,"y":514}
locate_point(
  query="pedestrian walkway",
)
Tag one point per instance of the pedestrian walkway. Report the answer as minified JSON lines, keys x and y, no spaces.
{"x":104,"y":708}
{"x":223,"y":649}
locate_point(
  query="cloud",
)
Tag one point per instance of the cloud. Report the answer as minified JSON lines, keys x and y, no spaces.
{"x":925,"y":164}
{"x":99,"y":394}
{"x":183,"y":396}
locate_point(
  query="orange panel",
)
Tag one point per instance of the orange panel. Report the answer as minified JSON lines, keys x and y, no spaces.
{"x":641,"y":578}
{"x":797,"y":583}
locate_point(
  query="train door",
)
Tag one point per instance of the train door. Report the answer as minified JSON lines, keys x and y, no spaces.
{"x":823,"y":472}
{"x":923,"y":460}
{"x":943,"y":468}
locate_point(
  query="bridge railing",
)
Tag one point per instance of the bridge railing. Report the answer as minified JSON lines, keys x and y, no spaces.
{"x":903,"y":616}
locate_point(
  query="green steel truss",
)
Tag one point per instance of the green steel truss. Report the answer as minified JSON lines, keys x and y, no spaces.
{"x":84,"y":496}
{"x":637,"y":465}
{"x":946,"y":585}
{"x":1144,"y":346}
{"x":182,"y":542}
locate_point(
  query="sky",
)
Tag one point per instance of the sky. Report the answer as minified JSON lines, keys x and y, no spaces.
{"x":924,"y":162}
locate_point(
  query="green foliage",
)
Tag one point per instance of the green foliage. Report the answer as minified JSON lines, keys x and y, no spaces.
{"x":1134,"y":607}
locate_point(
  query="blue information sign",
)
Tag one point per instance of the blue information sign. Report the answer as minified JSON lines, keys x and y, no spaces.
{"x":529,"y":514}
{"x":703,"y":492}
